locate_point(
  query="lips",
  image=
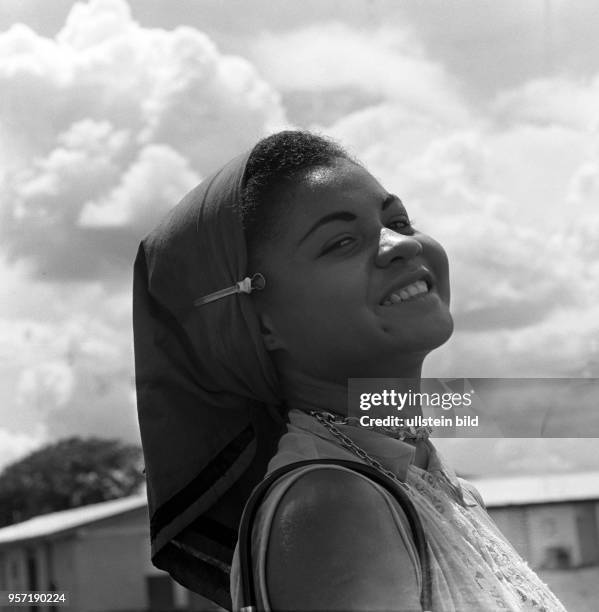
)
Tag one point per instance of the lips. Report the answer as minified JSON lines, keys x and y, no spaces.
{"x":410,"y":286}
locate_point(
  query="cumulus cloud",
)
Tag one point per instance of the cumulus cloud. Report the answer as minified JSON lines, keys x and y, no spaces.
{"x":387,"y":63}
{"x":108,"y":125}
{"x":502,"y":277}
{"x":47,"y":384}
{"x":582,"y":196}
{"x":556,"y":100}
{"x":68,"y":377}
{"x":153,"y":181}
{"x":65,"y":359}
{"x":584,"y":186}
{"x":71,"y":376}
{"x":102,"y":401}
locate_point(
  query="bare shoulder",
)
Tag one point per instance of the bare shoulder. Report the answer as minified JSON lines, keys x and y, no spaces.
{"x":337,"y":542}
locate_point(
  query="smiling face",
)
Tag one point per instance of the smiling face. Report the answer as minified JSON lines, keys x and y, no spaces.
{"x":353,"y":290}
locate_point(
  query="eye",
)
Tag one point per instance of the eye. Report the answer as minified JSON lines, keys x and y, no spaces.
{"x":402,"y":223}
{"x":339,"y":244}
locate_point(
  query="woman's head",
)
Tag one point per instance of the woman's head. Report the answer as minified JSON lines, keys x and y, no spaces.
{"x":341,"y":261}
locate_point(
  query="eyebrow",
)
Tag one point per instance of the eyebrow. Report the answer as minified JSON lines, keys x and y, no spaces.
{"x":347,"y":216}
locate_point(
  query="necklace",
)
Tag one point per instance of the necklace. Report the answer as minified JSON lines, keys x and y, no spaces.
{"x":327,"y":420}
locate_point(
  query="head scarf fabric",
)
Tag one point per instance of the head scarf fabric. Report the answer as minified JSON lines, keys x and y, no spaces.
{"x":207,"y":391}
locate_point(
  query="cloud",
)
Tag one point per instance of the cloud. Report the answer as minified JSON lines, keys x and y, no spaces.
{"x":16,"y":446}
{"x":65,"y":358}
{"x":102,"y":402}
{"x":551,"y":101}
{"x":584,"y":186}
{"x":385,"y":63}
{"x":67,"y":376}
{"x":582,"y":196}
{"x":106,"y":126}
{"x":49,"y":383}
{"x":71,"y":376}
{"x":155,"y":179}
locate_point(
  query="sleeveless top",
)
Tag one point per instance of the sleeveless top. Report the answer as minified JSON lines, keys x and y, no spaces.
{"x":474,"y":568}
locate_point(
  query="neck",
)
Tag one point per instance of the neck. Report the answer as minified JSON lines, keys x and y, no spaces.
{"x":308,"y":393}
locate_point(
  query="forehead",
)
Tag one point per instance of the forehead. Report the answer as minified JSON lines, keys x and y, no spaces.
{"x":343,"y":186}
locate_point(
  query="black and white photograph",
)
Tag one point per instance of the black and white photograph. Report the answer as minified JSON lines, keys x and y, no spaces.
{"x":299,"y":307}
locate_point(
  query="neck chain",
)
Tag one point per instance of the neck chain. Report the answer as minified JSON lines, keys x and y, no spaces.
{"x":327,"y":420}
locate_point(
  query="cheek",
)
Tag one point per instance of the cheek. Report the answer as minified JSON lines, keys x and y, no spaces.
{"x":318,"y":310}
{"x":437,"y":257}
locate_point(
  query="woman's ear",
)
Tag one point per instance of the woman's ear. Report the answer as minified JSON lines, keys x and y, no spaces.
{"x":271,"y":339}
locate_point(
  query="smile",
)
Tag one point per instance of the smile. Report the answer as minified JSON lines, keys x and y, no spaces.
{"x":406,"y":293}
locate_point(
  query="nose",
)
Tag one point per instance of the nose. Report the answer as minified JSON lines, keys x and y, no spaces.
{"x":393,"y":245}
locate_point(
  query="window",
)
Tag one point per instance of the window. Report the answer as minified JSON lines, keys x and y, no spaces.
{"x":161,"y":596}
{"x":557,"y":557}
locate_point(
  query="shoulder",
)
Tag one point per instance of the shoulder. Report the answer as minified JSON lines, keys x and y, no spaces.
{"x":316,"y":488}
{"x":328,"y":521}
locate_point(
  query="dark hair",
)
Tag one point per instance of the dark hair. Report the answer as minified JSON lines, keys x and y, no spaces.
{"x":274,"y":163}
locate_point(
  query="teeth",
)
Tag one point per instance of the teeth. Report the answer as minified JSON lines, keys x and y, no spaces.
{"x":405,"y":293}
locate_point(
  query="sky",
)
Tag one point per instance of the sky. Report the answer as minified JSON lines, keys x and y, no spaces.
{"x":482,"y":116}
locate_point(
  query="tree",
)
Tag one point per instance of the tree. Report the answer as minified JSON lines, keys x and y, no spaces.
{"x":73,"y":472}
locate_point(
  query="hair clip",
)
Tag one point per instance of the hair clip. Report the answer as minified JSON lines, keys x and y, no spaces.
{"x":247,"y":285}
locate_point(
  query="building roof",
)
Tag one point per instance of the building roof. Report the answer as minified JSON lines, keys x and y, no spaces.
{"x":65,"y":520}
{"x":538,"y":489}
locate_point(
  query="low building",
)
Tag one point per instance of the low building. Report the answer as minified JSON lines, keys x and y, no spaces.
{"x":551,"y":520}
{"x":99,"y":554}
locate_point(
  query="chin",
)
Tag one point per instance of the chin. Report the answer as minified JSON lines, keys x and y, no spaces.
{"x":436,"y":333}
{"x":445,"y":330}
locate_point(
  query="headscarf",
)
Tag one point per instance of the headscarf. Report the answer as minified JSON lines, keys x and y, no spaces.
{"x":207,"y":391}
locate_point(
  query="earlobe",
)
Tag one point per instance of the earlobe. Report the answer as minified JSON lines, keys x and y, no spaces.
{"x":269,"y":335}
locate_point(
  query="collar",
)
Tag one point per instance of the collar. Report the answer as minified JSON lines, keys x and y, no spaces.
{"x":306,"y":438}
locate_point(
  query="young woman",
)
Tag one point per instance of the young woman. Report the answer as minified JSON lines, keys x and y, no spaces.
{"x":280,"y":277}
